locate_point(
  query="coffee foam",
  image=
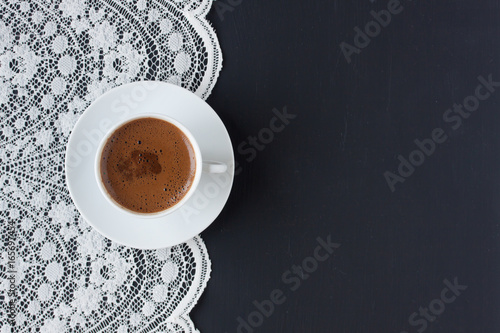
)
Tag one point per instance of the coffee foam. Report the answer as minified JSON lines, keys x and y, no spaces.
{"x":148,"y":165}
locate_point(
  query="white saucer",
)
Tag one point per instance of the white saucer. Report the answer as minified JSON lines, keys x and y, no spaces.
{"x":115,"y":106}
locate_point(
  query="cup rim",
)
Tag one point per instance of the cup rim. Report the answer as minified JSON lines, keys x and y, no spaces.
{"x":192,"y":189}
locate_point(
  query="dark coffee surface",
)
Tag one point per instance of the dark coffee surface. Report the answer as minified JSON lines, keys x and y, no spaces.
{"x":322,"y":173}
{"x":148,"y":165}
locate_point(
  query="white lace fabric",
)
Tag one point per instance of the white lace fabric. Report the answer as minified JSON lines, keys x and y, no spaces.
{"x":56,"y":57}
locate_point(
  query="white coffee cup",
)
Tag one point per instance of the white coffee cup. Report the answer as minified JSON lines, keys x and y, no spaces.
{"x":201,"y":166}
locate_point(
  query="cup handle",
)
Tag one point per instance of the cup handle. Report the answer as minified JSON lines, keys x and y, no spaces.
{"x":214,"y":167}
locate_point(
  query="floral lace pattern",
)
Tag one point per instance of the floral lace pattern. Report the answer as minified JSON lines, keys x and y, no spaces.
{"x":56,"y":57}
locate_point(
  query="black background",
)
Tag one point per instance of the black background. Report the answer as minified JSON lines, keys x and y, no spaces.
{"x":324,"y":173}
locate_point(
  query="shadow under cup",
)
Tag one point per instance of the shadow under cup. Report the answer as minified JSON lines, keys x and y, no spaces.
{"x":148,"y":165}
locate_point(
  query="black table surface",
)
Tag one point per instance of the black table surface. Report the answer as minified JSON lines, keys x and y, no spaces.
{"x":368,"y":192}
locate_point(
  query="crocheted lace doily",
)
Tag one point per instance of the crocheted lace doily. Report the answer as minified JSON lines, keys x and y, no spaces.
{"x":56,"y":57}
